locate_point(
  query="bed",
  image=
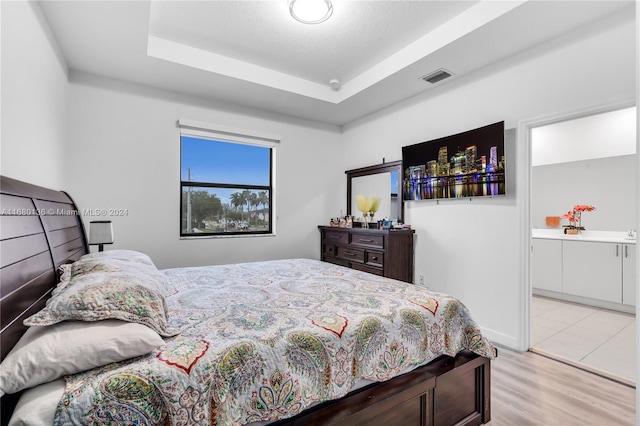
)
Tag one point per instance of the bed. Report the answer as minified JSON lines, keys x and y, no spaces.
{"x":287,"y":342}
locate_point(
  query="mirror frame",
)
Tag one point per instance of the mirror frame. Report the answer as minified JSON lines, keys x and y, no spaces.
{"x":373,"y":170}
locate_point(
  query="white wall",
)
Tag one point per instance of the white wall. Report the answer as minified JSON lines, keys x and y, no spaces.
{"x":609,"y":184}
{"x":34,"y":98}
{"x":476,"y":249}
{"x":125,"y":149}
{"x":587,"y":160}
{"x":604,"y":135}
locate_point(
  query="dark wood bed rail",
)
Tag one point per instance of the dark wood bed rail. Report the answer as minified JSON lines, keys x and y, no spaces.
{"x":40,"y":229}
{"x":447,"y":391}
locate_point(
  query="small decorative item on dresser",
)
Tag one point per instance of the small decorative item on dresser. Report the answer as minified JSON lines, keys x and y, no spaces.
{"x":363,"y":206}
{"x":368,"y":206}
{"x":374,"y":207}
{"x":574,"y":216}
{"x":348,"y":222}
{"x":341,"y":222}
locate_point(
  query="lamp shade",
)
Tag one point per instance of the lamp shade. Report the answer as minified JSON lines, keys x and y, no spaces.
{"x":100,"y":232}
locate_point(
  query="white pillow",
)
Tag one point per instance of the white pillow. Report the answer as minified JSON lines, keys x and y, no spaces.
{"x":37,"y":406}
{"x":44,"y":354}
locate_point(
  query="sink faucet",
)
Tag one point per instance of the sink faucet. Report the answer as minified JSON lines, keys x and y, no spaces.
{"x":632,"y":233}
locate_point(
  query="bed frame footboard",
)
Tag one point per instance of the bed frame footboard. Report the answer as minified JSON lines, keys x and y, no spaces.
{"x":447,"y":391}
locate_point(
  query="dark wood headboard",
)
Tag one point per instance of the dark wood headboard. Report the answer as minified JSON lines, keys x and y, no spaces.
{"x":40,"y":229}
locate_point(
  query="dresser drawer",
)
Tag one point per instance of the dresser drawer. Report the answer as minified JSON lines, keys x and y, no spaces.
{"x":336,"y":237}
{"x":329,"y":249}
{"x":336,"y":261}
{"x":367,"y":268}
{"x":355,"y":255}
{"x":374,"y":258}
{"x":368,"y":240}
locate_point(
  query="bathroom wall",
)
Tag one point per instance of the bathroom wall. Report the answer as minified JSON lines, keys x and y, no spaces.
{"x":589,"y":160}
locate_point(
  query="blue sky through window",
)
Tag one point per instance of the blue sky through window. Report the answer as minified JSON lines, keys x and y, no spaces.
{"x":215,"y":161}
{"x":224,"y":162}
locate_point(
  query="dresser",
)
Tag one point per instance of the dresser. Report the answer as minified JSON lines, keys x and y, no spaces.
{"x":385,"y":252}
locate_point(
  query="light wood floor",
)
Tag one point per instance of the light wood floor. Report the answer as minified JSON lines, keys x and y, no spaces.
{"x":530,"y":389}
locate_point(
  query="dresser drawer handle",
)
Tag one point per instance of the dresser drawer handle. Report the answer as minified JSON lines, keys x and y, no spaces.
{"x":374,"y":258}
{"x":338,"y":237}
{"x":348,"y":253}
{"x":365,"y":241}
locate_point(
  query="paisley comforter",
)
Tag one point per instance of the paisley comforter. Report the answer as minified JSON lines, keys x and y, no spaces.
{"x":262,"y":341}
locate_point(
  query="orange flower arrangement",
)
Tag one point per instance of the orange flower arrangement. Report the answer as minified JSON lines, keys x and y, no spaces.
{"x":574,"y":216}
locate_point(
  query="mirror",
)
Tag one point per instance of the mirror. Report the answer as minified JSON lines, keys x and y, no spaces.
{"x":382,"y":180}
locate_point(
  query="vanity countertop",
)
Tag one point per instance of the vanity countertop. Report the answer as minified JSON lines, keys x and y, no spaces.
{"x":619,"y":237}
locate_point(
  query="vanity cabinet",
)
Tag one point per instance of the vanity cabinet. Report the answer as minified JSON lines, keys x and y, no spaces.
{"x":384,"y":252}
{"x":592,"y":270}
{"x":546,"y":264}
{"x":629,"y":274}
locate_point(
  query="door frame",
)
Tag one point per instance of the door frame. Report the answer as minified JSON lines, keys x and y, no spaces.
{"x":524,"y":175}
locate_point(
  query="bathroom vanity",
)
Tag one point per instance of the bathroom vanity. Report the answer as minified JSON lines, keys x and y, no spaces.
{"x":595,"y":267}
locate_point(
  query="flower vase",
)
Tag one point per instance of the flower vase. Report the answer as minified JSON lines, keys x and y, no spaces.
{"x":575,"y":218}
{"x":364,"y":220}
{"x":579,"y":221}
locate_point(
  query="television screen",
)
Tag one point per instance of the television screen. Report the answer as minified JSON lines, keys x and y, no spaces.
{"x":467,"y":164}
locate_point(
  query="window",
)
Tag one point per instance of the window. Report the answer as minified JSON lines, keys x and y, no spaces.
{"x":226,"y":183}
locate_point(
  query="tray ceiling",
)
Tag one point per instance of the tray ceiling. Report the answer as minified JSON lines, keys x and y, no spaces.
{"x":254,"y":54}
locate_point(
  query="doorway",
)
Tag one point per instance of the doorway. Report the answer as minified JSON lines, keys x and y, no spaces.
{"x":579,"y":316}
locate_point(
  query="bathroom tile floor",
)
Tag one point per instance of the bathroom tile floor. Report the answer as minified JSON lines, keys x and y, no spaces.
{"x":600,"y":339}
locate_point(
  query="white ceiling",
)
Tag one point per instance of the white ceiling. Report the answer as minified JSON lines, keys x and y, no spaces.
{"x":254,"y":54}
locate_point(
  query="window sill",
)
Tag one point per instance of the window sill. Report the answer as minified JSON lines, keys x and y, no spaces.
{"x":210,"y":237}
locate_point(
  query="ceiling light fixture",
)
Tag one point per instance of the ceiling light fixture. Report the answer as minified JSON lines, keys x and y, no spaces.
{"x":310,"y":11}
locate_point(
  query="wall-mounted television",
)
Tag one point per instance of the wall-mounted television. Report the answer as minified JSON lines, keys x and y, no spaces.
{"x":464,"y":165}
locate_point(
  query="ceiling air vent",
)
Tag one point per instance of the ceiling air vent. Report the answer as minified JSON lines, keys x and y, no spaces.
{"x":437,"y":75}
